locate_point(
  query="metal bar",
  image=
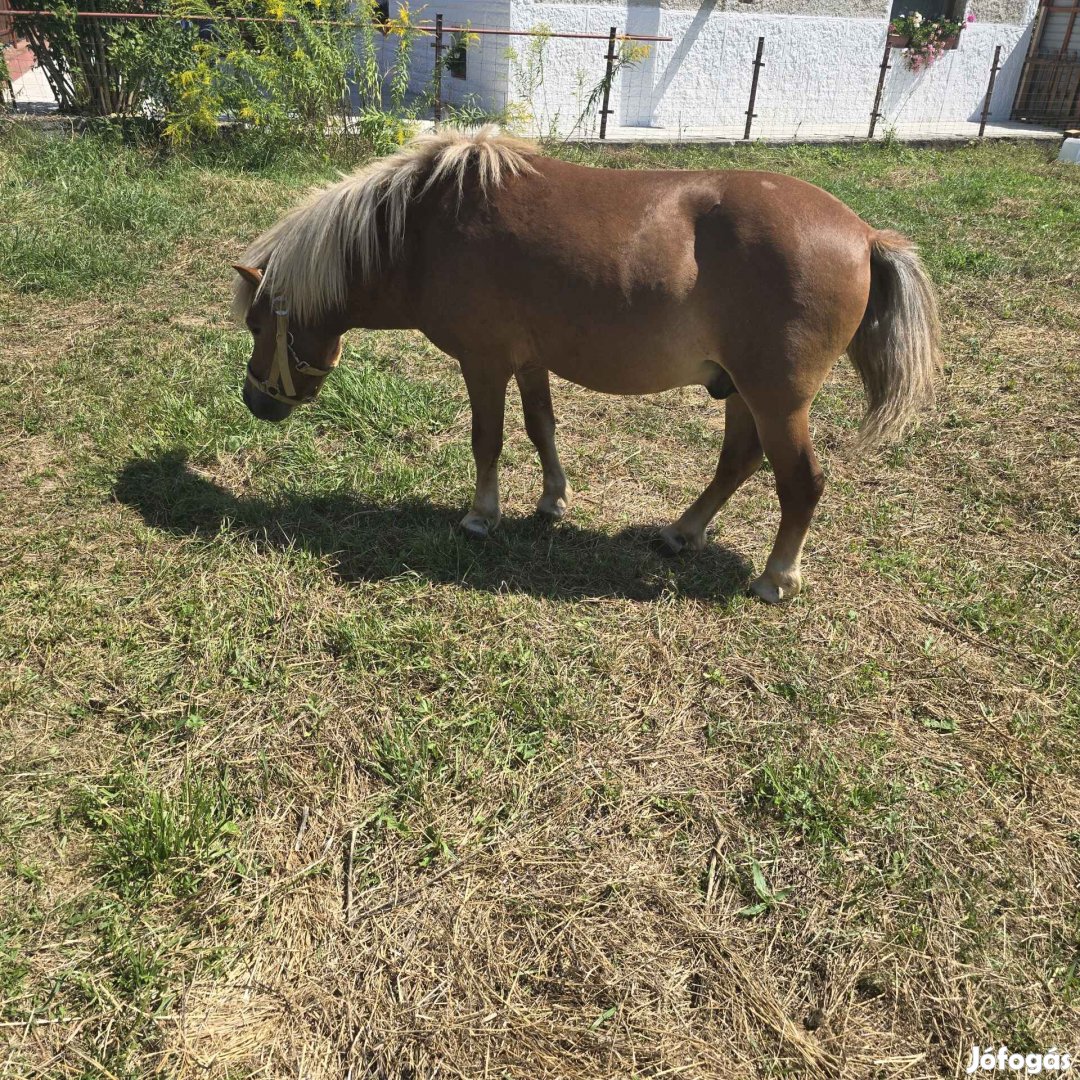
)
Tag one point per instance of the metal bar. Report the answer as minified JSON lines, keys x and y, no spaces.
{"x":875,"y":115}
{"x":609,"y":74}
{"x":1020,"y":102}
{"x":423,"y":29}
{"x":437,"y":45}
{"x":545,"y":34}
{"x":1061,"y":90}
{"x":758,"y":65}
{"x":1068,"y":31}
{"x":990,"y":90}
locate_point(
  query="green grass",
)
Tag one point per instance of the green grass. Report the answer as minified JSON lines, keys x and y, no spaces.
{"x":604,"y":814}
{"x":150,"y":838}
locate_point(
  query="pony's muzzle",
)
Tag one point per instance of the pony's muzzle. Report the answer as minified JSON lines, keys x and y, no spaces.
{"x":265,"y":407}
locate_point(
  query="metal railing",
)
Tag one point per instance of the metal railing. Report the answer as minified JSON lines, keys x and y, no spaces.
{"x":521,"y":75}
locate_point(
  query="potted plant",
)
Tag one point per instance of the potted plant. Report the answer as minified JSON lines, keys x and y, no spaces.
{"x":926,"y":40}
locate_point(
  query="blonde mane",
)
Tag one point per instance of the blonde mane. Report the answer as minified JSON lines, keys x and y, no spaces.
{"x":306,"y":256}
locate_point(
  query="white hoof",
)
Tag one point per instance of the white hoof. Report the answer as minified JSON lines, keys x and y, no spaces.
{"x":773,"y":592}
{"x":551,"y":506}
{"x":477,"y":526}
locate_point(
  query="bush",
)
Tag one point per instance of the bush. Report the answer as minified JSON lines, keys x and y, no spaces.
{"x":7,"y":92}
{"x":290,"y":73}
{"x":79,"y":57}
{"x":275,"y":73}
{"x":290,"y":69}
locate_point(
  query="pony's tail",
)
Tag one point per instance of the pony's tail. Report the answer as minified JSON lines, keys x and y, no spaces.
{"x":896,"y":348}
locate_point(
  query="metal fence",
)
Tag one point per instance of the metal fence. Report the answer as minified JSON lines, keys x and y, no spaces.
{"x":620,"y":86}
{"x":544,"y":82}
{"x":1049,"y":90}
{"x":633,"y":86}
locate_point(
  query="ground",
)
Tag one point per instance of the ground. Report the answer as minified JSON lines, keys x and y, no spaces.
{"x":298,"y":781}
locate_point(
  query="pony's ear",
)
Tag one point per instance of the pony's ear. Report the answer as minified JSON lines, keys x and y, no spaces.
{"x":252,"y":275}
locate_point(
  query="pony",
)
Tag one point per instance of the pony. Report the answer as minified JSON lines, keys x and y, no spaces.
{"x":750,"y":284}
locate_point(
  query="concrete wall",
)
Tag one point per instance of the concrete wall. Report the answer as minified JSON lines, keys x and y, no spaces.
{"x":1006,"y":11}
{"x":1020,"y":12}
{"x":819,"y":69}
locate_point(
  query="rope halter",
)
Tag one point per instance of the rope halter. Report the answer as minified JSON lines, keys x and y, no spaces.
{"x":278,"y":383}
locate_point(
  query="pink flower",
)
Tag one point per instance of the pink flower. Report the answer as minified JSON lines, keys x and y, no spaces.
{"x":971,"y":16}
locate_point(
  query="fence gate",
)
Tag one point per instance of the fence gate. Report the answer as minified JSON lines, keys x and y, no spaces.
{"x":1049,"y":91}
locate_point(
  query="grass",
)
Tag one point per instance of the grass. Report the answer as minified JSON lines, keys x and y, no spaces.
{"x":593,"y":813}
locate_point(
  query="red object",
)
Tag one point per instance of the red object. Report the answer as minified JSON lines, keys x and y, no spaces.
{"x":19,"y":60}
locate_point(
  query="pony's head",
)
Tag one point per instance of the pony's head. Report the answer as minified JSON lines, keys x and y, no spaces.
{"x":327,"y":265}
{"x":289,"y":360}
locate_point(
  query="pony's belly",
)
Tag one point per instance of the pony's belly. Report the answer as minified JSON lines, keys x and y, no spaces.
{"x":630,"y":371}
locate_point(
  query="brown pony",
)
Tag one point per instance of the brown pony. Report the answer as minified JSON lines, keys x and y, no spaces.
{"x":750,"y":284}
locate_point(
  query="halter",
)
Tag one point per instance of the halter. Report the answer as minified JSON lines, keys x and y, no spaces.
{"x":278,"y":383}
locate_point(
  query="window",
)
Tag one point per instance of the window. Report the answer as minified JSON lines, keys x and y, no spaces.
{"x":930,"y":9}
{"x":455,"y":59}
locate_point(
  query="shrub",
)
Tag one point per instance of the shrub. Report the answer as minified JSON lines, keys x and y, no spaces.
{"x":291,"y":72}
{"x":288,"y":68}
{"x":7,"y":92}
{"x":79,"y":56}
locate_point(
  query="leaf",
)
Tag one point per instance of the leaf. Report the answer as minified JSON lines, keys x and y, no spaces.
{"x":752,"y":909}
{"x":939,"y":723}
{"x":761,"y":886}
{"x":603,"y":1018}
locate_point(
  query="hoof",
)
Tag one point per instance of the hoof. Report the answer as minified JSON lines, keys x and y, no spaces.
{"x":673,"y":541}
{"x":551,"y":508}
{"x":772,"y":592}
{"x":477,"y":526}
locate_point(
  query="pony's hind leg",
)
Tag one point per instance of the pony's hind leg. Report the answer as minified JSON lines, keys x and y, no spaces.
{"x":740,"y":458}
{"x":799,"y":485}
{"x":487,"y":395}
{"x":535,"y":389}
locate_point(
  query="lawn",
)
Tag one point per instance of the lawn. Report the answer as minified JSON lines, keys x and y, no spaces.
{"x":297,"y":781}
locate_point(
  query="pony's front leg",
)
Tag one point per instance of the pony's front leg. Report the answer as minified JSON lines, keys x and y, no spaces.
{"x":487,"y":395}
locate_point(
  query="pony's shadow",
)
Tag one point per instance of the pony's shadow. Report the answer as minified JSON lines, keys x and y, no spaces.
{"x":366,"y":541}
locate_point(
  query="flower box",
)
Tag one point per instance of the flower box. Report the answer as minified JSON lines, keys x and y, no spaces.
{"x":901,"y":41}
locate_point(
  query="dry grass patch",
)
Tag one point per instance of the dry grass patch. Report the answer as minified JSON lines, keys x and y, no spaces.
{"x":299,"y":782}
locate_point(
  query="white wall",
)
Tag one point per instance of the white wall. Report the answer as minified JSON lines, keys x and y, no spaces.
{"x":819,"y":70}
{"x":486,"y":66}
